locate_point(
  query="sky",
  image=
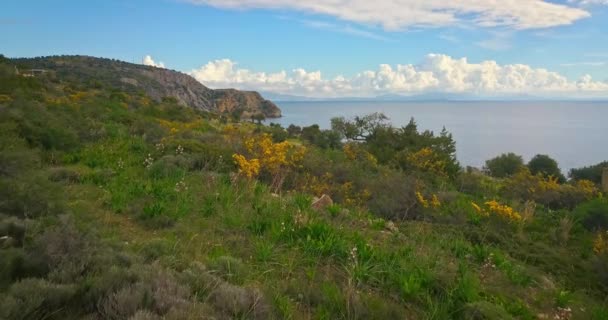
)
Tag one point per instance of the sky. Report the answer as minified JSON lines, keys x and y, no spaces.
{"x":334,"y":48}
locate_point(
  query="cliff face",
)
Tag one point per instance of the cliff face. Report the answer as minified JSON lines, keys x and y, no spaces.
{"x":156,"y":83}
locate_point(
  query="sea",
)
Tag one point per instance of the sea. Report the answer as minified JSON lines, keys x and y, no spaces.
{"x":573,"y":133}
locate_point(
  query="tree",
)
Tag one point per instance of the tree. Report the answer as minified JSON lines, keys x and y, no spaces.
{"x":546,"y":166}
{"x":294,"y":131}
{"x":591,"y":173}
{"x":359,"y":128}
{"x":506,"y":164}
{"x":258,"y":117}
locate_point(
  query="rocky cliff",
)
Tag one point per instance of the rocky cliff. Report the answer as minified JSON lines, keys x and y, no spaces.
{"x":155,"y":82}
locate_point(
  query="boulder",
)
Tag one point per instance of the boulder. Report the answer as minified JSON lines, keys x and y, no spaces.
{"x":390,"y":226}
{"x":322,"y":203}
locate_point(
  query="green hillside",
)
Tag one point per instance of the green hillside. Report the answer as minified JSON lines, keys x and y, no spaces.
{"x":115,"y":205}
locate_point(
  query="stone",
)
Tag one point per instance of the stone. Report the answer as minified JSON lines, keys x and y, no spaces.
{"x":546,"y":283}
{"x":390,"y":226}
{"x":322,"y":203}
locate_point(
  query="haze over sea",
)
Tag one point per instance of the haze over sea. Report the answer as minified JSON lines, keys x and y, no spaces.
{"x":574,"y":133}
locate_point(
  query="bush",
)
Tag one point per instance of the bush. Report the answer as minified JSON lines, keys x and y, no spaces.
{"x":29,"y":197}
{"x":393,"y":197}
{"x":546,"y":166}
{"x":505,"y":165}
{"x":593,"y":215}
{"x":35,"y":299}
{"x":591,"y":173}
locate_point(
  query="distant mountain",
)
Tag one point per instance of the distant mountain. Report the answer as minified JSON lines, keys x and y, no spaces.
{"x":154,"y":82}
{"x":429,"y":96}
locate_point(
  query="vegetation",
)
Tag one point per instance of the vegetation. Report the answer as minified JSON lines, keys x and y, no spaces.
{"x":506,"y":164}
{"x":117,"y":206}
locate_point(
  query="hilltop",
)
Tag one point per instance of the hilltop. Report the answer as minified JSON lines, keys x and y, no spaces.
{"x":157,"y":83}
{"x":118,"y":205}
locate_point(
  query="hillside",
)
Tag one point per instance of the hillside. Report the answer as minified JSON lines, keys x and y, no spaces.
{"x":157,"y":83}
{"x":117,"y":205}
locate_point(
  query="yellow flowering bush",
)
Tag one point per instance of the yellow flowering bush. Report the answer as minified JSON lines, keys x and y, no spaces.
{"x":600,"y":244}
{"x":479,"y":210}
{"x":354,"y":152}
{"x":427,"y":160}
{"x":548,"y":191}
{"x":503,"y":211}
{"x":428,"y":203}
{"x":270,"y":157}
{"x":248,"y":168}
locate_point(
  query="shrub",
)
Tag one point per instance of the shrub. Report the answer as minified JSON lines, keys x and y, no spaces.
{"x":35,"y":299}
{"x":525,"y":186}
{"x":504,"y":165}
{"x":593,"y":215}
{"x":393,"y":197}
{"x":592,"y":173}
{"x":546,"y":166}
{"x":67,"y":251}
{"x":124,"y":302}
{"x":229,"y":268}
{"x":238,"y":302}
{"x":63,"y":174}
{"x":29,"y":197}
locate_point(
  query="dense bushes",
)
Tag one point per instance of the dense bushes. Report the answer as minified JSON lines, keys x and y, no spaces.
{"x":593,"y":215}
{"x":504,"y":165}
{"x":591,"y":173}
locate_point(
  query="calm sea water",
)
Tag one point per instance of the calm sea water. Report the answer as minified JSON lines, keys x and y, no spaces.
{"x":574,"y":133}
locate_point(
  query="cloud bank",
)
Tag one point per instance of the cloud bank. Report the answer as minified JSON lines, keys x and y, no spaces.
{"x":397,"y":15}
{"x":435,"y":73}
{"x":148,"y":61}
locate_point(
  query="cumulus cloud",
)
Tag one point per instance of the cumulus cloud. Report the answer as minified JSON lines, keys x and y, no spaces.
{"x":148,"y":61}
{"x":436,"y":73}
{"x":401,"y":14}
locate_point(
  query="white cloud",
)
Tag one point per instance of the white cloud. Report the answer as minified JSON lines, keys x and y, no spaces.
{"x":584,"y":64}
{"x":401,"y":14}
{"x":499,"y":41}
{"x":436,"y":73}
{"x":148,"y":61}
{"x":345,"y":29}
{"x":589,"y":2}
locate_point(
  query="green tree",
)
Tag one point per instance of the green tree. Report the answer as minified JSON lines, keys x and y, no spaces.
{"x":504,"y":165}
{"x":591,"y":173}
{"x":359,"y":128}
{"x":546,"y":166}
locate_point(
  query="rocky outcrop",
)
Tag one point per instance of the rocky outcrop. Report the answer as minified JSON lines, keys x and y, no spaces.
{"x":322,"y":203}
{"x":157,"y":83}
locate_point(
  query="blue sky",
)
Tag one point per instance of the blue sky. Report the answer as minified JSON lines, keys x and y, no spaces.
{"x":322,"y":49}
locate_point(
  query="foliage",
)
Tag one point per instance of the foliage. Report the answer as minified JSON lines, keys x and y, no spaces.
{"x":592,"y":173}
{"x":546,"y":166}
{"x":504,"y":165}
{"x":114,"y":206}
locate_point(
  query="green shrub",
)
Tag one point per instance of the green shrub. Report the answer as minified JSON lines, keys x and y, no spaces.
{"x":593,"y":215}
{"x":504,"y":165}
{"x":35,"y":299}
{"x":546,"y":166}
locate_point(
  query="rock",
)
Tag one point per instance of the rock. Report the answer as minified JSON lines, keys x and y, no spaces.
{"x":546,"y":283}
{"x":484,"y":310}
{"x":322,"y":203}
{"x":390,"y":226}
